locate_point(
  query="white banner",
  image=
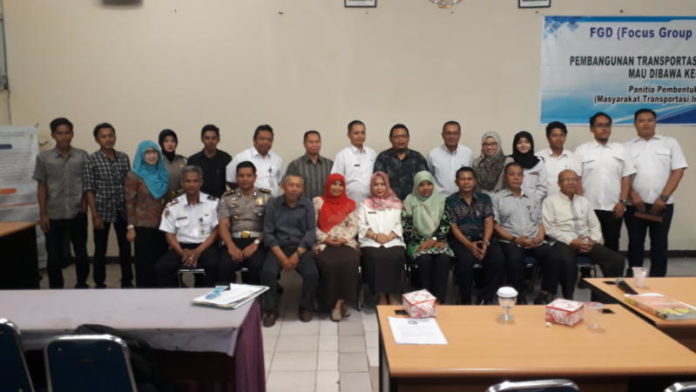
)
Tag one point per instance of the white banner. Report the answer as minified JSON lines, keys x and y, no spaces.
{"x":618,"y":65}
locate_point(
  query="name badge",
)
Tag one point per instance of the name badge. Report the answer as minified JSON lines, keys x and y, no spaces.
{"x":182,"y":218}
{"x":371,"y":212}
{"x":356,"y":165}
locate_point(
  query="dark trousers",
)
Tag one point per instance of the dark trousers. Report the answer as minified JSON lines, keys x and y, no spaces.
{"x":150,"y":245}
{"x":611,"y":263}
{"x":659,"y":232}
{"x":101,"y":240}
{"x":168,"y":266}
{"x":493,"y":271}
{"x":611,"y":228}
{"x":545,"y":255}
{"x":433,"y":272}
{"x":228,"y":267}
{"x":306,"y":267}
{"x":61,"y":233}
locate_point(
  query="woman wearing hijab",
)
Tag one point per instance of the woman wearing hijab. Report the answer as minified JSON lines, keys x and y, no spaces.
{"x":533,"y":168}
{"x":426,"y":226}
{"x":146,"y":185}
{"x":336,"y":251}
{"x":489,"y":165}
{"x":172,"y":161}
{"x":381,"y":239}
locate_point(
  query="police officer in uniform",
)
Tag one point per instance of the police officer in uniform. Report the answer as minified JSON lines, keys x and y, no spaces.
{"x":240,"y":214}
{"x":190,"y":224}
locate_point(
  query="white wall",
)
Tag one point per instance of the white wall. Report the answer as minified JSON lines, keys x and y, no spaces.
{"x":297,"y":64}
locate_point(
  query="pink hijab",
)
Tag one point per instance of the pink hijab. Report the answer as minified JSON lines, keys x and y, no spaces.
{"x":388,"y":201}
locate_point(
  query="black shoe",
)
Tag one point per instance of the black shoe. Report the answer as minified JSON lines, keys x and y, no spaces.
{"x":543,"y":299}
{"x":584,"y":273}
{"x":82,"y":286}
{"x":127,"y":285}
{"x":100,"y":286}
{"x":269,"y":319}
{"x":306,"y":315}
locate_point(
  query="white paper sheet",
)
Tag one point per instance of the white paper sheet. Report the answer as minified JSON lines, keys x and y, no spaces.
{"x":416,"y":331}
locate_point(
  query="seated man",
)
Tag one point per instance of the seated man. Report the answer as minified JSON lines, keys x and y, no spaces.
{"x":288,"y":232}
{"x":240,"y":213}
{"x":521,"y":233}
{"x":569,"y":221}
{"x":190,"y":226}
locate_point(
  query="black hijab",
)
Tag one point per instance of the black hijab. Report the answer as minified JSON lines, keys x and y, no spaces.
{"x":528,"y":160}
{"x":167,"y":132}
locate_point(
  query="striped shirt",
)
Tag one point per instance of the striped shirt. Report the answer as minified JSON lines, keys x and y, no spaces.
{"x":314,"y":174}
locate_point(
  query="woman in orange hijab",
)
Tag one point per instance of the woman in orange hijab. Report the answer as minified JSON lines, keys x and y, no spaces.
{"x":336,"y":251}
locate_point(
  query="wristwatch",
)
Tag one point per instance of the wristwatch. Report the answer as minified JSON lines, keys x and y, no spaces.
{"x":623,"y":202}
{"x":257,"y":241}
{"x":664,"y":198}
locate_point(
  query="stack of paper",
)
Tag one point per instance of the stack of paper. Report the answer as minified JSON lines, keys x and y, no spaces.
{"x":416,"y":331}
{"x":236,"y":296}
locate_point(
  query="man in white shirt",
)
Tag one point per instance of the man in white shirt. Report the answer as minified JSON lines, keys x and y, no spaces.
{"x":445,"y":160}
{"x":269,"y":165}
{"x":356,"y":162}
{"x":660,"y":166}
{"x":569,"y":221}
{"x":556,"y":158}
{"x":606,"y":170}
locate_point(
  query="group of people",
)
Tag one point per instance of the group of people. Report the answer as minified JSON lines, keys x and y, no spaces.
{"x":326,"y":218}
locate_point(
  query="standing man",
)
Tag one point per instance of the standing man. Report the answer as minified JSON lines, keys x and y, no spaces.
{"x":400,"y":162}
{"x":62,"y":204}
{"x":556,"y":158}
{"x":289,"y":228}
{"x":605,"y":171}
{"x":190,"y":225}
{"x":269,"y":165}
{"x":569,"y":221}
{"x":445,"y":160}
{"x":212,"y":161}
{"x":355,"y":163}
{"x":312,"y":167}
{"x":240,"y":214}
{"x":104,"y":181}
{"x":660,"y":166}
{"x":471,"y":223}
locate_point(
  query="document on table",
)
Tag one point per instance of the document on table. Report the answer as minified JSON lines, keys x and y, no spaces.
{"x":416,"y":331}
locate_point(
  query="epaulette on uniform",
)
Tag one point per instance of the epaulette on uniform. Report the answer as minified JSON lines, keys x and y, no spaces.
{"x":171,"y":203}
{"x":264,"y":190}
{"x":229,"y":192}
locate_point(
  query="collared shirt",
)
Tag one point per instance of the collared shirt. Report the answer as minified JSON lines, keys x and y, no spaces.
{"x":314,"y":174}
{"x":356,"y":166}
{"x":380,"y":221}
{"x":107,"y":178}
{"x":143,"y":209}
{"x":566,"y":219}
{"x":400,"y":171}
{"x":602,"y":168}
{"x":554,"y":165}
{"x":269,"y":169}
{"x":244,"y":212}
{"x":469,"y":218}
{"x":534,"y":182}
{"x":654,"y":160}
{"x":174,"y":168}
{"x":444,"y":165}
{"x":63,"y":179}
{"x":289,"y":227}
{"x":519,"y":216}
{"x":213,"y":171}
{"x":191,"y":223}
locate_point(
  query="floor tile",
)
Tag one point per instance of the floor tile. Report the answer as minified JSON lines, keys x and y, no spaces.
{"x":294,"y":361}
{"x":373,"y":356}
{"x":351,"y":344}
{"x":328,"y":343}
{"x":371,"y":339}
{"x":295,"y":343}
{"x":297,"y":327}
{"x":327,"y":381}
{"x":269,"y":342}
{"x":355,"y":382}
{"x":328,"y":327}
{"x":350,"y":329}
{"x":328,"y":360}
{"x":352,"y":362}
{"x":292,"y":381}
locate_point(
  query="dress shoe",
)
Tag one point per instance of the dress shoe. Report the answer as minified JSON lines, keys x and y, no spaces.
{"x":306,"y":315}
{"x":269,"y":319}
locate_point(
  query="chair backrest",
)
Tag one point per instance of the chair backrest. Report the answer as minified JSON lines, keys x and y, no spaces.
{"x":682,"y":387}
{"x":14,"y":373}
{"x":78,"y":363}
{"x":554,"y":385}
